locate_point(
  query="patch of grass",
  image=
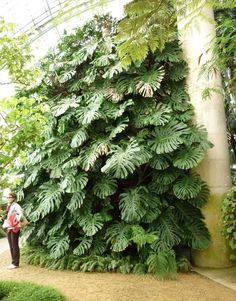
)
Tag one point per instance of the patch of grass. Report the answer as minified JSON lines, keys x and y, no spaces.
{"x":22,"y":290}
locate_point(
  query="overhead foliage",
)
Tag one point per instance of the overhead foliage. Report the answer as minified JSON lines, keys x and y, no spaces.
{"x":111,"y":185}
{"x":21,"y":117}
{"x":15,"y":55}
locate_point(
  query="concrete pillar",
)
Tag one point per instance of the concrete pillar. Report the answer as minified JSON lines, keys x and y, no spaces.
{"x":215,"y":168}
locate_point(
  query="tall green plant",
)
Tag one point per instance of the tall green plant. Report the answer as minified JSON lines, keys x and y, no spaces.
{"x":111,"y":186}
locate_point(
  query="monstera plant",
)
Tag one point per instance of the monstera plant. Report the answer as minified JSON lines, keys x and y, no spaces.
{"x":111,"y":188}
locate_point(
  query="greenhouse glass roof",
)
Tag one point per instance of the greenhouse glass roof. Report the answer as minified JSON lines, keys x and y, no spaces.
{"x":39,"y":19}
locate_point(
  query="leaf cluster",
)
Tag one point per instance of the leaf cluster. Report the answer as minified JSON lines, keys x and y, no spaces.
{"x":229,"y":220}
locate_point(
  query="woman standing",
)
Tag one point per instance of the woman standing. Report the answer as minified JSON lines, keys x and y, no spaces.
{"x":14,"y":214}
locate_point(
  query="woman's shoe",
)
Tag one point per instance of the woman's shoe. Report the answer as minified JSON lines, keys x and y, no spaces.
{"x":11,"y":267}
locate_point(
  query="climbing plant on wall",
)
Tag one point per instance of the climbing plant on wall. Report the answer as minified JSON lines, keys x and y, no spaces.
{"x":111,"y":186}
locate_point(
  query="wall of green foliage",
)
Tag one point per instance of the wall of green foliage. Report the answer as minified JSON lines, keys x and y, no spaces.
{"x":111,"y":189}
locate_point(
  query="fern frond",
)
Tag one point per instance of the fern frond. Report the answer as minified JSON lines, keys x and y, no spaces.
{"x":140,"y":237}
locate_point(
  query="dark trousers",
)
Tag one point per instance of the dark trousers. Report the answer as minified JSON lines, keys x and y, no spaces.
{"x":13,"y":240}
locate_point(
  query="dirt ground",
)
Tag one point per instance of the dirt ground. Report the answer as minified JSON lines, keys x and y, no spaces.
{"x":117,"y":287}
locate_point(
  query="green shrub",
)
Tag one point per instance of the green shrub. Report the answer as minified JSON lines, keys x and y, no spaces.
{"x":15,"y":291}
{"x":229,"y":220}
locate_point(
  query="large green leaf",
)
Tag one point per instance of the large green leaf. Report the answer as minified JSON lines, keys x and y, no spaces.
{"x":104,"y":187}
{"x":49,"y":199}
{"x":123,"y":161}
{"x":76,"y":201}
{"x":168,"y":138}
{"x":149,"y":81}
{"x":91,"y":223}
{"x":74,"y":182}
{"x":119,"y":236}
{"x":167,"y":231}
{"x":83,"y":246}
{"x":187,"y":187}
{"x":162,"y":263}
{"x":132,"y":204}
{"x":79,"y":137}
{"x":188,"y":157}
{"x":58,"y":246}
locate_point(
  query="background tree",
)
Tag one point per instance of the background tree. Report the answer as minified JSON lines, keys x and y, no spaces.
{"x":21,"y":118}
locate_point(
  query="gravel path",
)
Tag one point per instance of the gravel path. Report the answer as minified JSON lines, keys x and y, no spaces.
{"x":117,"y":287}
{"x":3,"y":245}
